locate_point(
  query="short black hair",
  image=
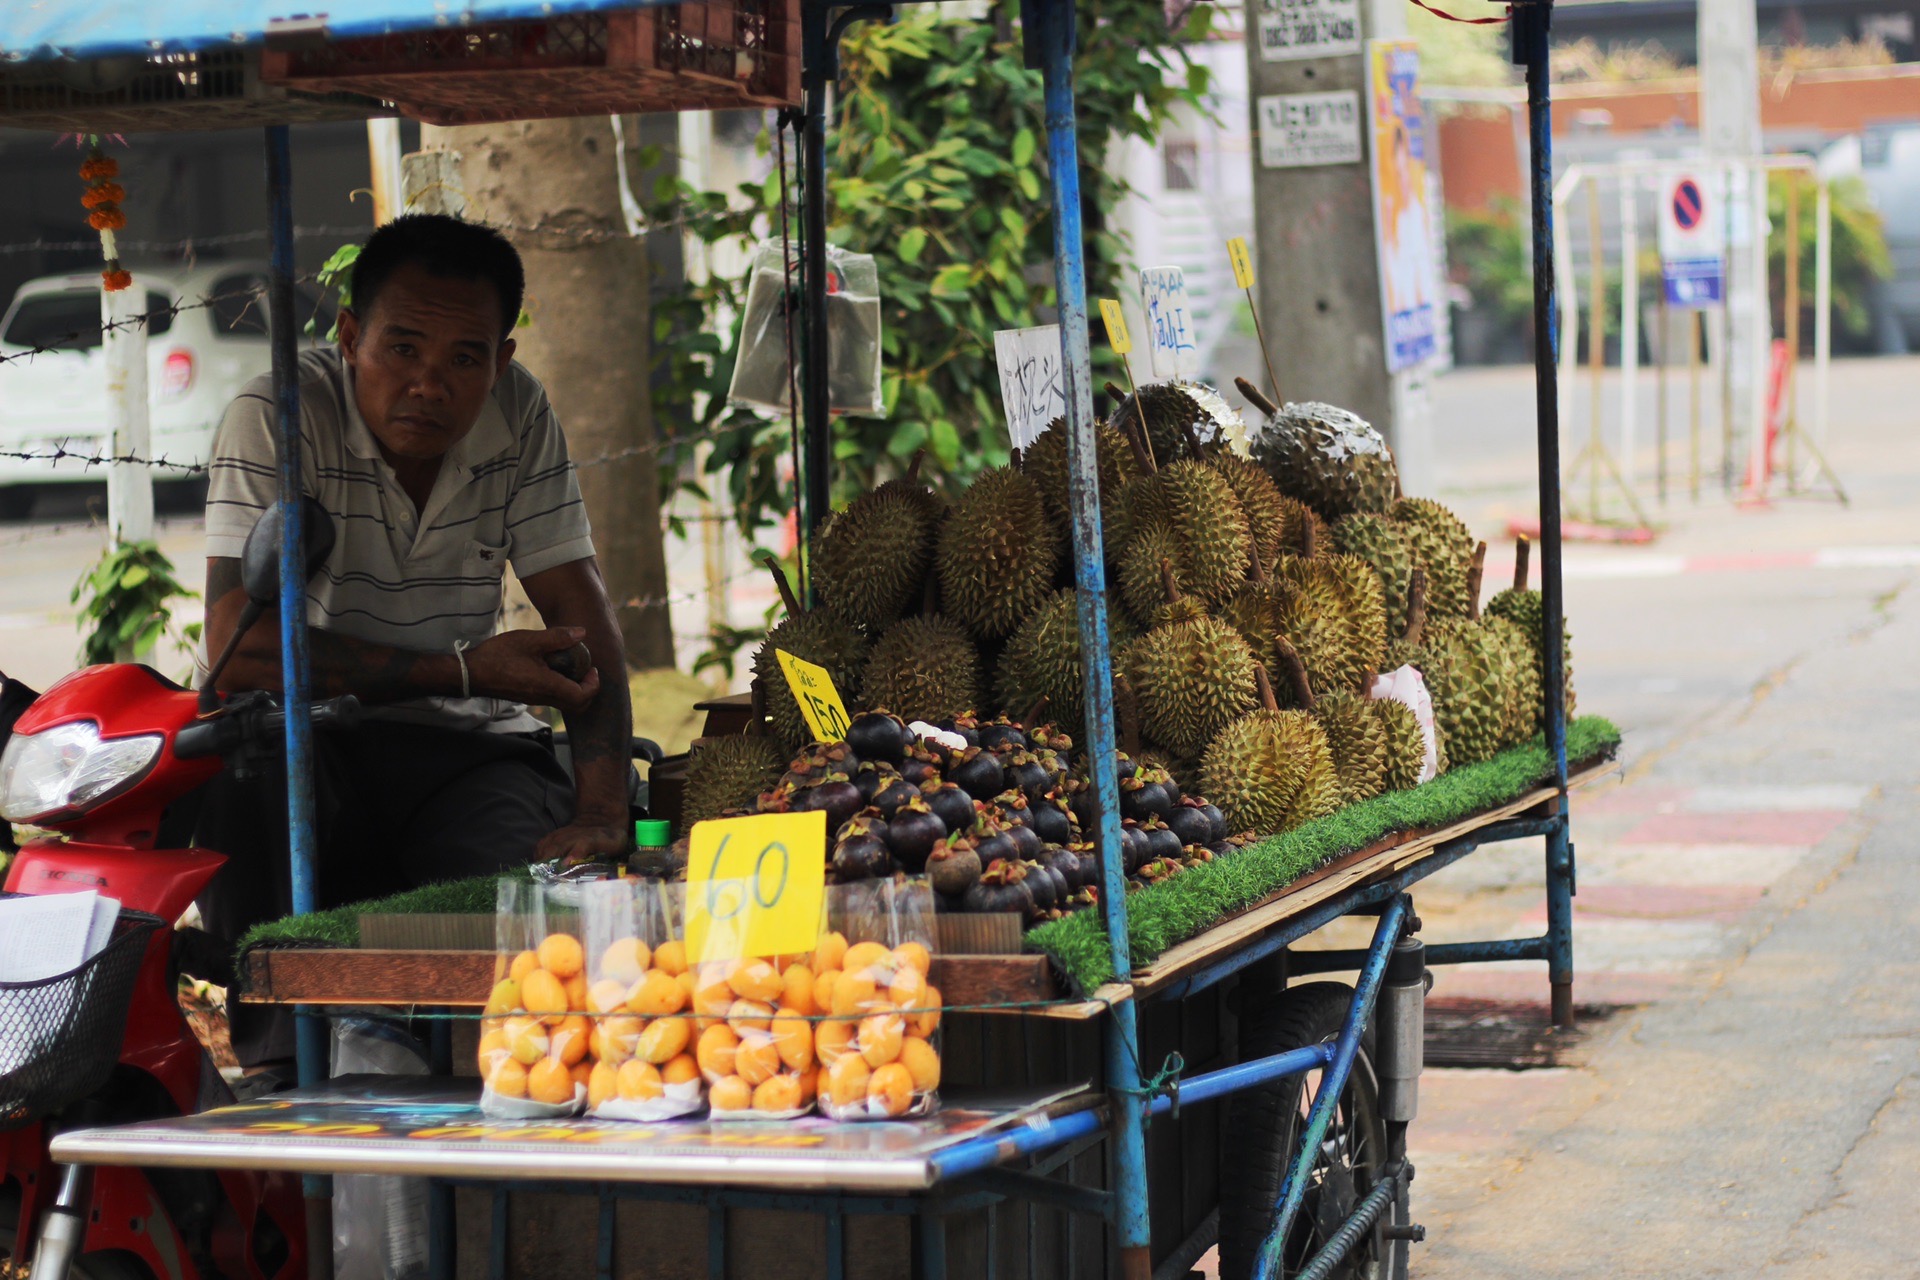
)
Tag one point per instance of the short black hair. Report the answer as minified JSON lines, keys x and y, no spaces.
{"x":443,"y":246}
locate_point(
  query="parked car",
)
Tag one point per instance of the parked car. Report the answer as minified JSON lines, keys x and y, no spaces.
{"x":197,"y":358}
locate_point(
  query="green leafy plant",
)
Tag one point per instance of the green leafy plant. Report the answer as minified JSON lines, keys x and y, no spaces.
{"x":130,"y":594}
{"x":336,"y":273}
{"x":1859,"y":248}
{"x":1488,"y":253}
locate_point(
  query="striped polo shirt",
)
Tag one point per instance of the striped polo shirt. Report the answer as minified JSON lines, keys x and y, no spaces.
{"x":506,"y":494}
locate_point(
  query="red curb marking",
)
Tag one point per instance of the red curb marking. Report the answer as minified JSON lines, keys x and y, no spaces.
{"x":1632,"y":800}
{"x":1792,"y":826}
{"x":1753,"y":560}
{"x":1657,"y":903}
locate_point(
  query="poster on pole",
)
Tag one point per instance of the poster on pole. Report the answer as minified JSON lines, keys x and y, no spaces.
{"x":1402,"y":223}
{"x":1291,"y":29}
{"x":1692,"y":242}
{"x":1031,"y":389}
{"x":1171,"y":344}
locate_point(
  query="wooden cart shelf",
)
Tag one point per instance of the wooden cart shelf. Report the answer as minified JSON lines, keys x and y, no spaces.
{"x":343,"y":976}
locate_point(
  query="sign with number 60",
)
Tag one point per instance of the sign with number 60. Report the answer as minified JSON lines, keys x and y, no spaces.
{"x":755,"y":885}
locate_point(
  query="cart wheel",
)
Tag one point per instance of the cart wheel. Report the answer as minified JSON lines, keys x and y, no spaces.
{"x":1263,"y":1128}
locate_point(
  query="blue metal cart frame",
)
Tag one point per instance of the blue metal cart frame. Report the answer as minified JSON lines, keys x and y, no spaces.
{"x":976,"y":1172}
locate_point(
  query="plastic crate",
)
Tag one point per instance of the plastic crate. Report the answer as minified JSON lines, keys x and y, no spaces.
{"x":682,"y":57}
{"x":217,"y":89}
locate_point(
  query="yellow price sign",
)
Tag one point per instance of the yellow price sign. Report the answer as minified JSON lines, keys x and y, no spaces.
{"x":1116,"y":327}
{"x":1242,"y":262}
{"x":819,"y":701}
{"x":755,"y":886}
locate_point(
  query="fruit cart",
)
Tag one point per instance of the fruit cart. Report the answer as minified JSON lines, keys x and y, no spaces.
{"x":1127,"y":1123}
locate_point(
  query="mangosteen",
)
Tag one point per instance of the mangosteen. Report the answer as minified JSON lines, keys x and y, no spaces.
{"x":966,"y":726}
{"x":896,"y":793}
{"x":978,"y":773}
{"x":1041,"y":883}
{"x":1191,"y":824}
{"x":1123,"y":766}
{"x":875,"y":735}
{"x":1132,"y":791}
{"x":1081,"y":800}
{"x":1001,"y":887}
{"x":912,"y":832}
{"x":1218,"y":819}
{"x":871,"y":776}
{"x":839,"y":797}
{"x":1134,"y":846}
{"x":992,"y":843}
{"x":1161,"y":841}
{"x":952,"y":805}
{"x":1067,"y":863}
{"x":953,"y":866}
{"x":867,"y":820}
{"x":818,"y":762}
{"x":1219,"y":848}
{"x":861,"y":851}
{"x":1054,"y":764}
{"x":1027,"y":841}
{"x":1155,"y":796}
{"x":1050,"y":821}
{"x":1025,"y":771}
{"x":919,"y":767}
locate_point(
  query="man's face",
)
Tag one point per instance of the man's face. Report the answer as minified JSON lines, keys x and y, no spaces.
{"x":425,"y":357}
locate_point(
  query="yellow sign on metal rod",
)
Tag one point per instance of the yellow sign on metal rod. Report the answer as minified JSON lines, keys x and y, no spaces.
{"x":819,"y":701}
{"x":1242,"y":262}
{"x":756,"y":885}
{"x":1243,"y":276}
{"x":1116,"y":326}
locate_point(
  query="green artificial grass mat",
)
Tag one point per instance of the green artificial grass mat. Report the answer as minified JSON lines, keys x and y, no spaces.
{"x":1163,"y":915}
{"x":340,"y":926}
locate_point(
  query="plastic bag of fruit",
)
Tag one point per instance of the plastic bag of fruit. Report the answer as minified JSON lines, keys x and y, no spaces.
{"x":753,"y":1037}
{"x":533,"y":1037}
{"x":877,"y":1043}
{"x":639,"y":997}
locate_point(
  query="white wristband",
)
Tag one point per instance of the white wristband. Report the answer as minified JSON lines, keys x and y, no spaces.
{"x":460,"y":655}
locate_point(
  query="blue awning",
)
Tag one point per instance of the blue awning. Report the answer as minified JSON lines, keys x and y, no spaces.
{"x":44,"y":30}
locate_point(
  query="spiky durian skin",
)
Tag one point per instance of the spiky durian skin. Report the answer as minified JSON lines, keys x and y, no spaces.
{"x":1270,"y":771}
{"x":729,"y":773}
{"x":1357,"y":740}
{"x":1045,"y":460}
{"x":923,"y":668}
{"x":820,"y":637}
{"x":1042,"y":658}
{"x":1191,"y":679}
{"x":1386,"y":546}
{"x":870,"y":560}
{"x":1364,"y":607}
{"x":1259,"y":611}
{"x":997,"y":554}
{"x":1403,"y":745}
{"x":1525,"y":706}
{"x":1444,"y":547}
{"x":1168,"y":411}
{"x":1465,"y":671}
{"x":1272,"y":518}
{"x":1526,"y":609}
{"x":1333,"y":619}
{"x":1329,"y":458}
{"x":1137,"y":574}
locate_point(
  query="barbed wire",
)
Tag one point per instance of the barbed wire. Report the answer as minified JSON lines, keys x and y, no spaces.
{"x":188,"y":244}
{"x":60,"y":452}
{"x":62,"y":341}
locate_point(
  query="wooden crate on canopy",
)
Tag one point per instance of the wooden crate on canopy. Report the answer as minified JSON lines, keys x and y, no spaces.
{"x":208,"y":89}
{"x":717,"y":54}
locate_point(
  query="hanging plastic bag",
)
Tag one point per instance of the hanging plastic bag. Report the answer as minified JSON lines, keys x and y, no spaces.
{"x":754,"y":1040}
{"x":760,"y":370}
{"x":638,"y":997}
{"x":533,"y":1036}
{"x":879,"y":1052}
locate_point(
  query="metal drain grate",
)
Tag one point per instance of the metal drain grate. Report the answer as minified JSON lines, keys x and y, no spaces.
{"x":1519,"y":1037}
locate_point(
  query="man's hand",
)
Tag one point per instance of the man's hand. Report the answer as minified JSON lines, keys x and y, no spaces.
{"x":513,"y":665}
{"x":586,"y":840}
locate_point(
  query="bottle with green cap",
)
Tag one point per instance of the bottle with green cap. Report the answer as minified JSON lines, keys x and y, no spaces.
{"x":652,"y":847}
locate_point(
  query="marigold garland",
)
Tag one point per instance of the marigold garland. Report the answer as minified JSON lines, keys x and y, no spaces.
{"x":102,"y":199}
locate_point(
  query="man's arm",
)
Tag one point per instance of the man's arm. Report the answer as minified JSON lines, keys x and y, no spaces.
{"x":572,"y":597}
{"x":511,"y":665}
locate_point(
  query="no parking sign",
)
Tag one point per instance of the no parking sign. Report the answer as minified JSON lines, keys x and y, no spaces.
{"x":1692,"y":243}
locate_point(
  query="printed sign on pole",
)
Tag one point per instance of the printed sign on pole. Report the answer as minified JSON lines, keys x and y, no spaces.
{"x":1170,"y":340}
{"x":1692,"y":243}
{"x":1402,"y":225}
{"x":1302,"y":129}
{"x":1290,"y":29}
{"x":1030,"y":380}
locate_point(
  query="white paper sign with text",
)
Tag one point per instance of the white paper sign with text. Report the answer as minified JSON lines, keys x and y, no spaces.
{"x":1290,"y":29}
{"x":1032,"y":386}
{"x":1171,"y":342}
{"x":1302,"y":129}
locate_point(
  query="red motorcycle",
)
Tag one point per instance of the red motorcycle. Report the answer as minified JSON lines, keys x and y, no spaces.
{"x":97,"y":760}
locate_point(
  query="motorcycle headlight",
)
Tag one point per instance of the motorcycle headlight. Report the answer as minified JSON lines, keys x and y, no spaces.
{"x":69,"y":769}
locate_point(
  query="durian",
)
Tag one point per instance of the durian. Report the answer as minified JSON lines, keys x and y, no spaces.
{"x":1403,"y":745}
{"x":1176,"y":417}
{"x":1273,"y":520}
{"x":1444,"y":548}
{"x":923,"y":668}
{"x":1525,"y":609}
{"x":1191,"y":676}
{"x":1042,"y":660}
{"x":997,"y":554}
{"x":1327,"y":457}
{"x":1271,"y":770}
{"x":1197,"y":506}
{"x":870,"y":561}
{"x":1335,"y":619}
{"x":728,"y":773}
{"x":1358,"y":740}
{"x":819,"y":636}
{"x":1386,"y":546}
{"x":1045,"y":461}
{"x":1466,"y":671}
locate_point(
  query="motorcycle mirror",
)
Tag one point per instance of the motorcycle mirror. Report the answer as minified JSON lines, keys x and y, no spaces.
{"x":260,"y":558}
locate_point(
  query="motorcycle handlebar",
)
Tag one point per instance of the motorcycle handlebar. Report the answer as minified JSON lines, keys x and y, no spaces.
{"x":224,"y":734}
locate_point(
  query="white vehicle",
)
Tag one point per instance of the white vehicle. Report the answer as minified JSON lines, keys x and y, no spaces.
{"x":197,"y":359}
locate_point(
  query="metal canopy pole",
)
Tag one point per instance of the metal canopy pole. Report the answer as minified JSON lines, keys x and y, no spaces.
{"x":1048,"y":27}
{"x":817,"y":449}
{"x":1530,"y":23}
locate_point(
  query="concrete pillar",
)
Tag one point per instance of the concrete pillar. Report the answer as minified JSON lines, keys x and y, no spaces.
{"x":1730,"y":131}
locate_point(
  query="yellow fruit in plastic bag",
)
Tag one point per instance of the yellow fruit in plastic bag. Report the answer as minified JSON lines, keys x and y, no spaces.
{"x":777,"y":1093}
{"x":601,"y":1083}
{"x":664,"y":1039}
{"x":606,"y":996}
{"x":639,"y":1081}
{"x":913,"y":955}
{"x":809,"y":1085}
{"x":570,"y":1039}
{"x":495,"y":1041}
{"x":523,"y":964}
{"x":852,"y":993}
{"x":504,"y":998}
{"x":576,"y":989}
{"x":749,"y":1015}
{"x":681,"y":1070}
{"x":880,"y":1037}
{"x":560,"y":955}
{"x":582,"y":1072}
{"x":544,"y":995}
{"x":712,"y":996}
{"x":624,"y":960}
{"x":715,"y":1051}
{"x":922,"y":1063}
{"x":908,"y":989}
{"x":793,"y":1037}
{"x":612,"y":1039}
{"x":829,"y":952}
{"x":797,"y":989}
{"x":823,"y":984}
{"x":730,"y":1093}
{"x":847,"y":1080}
{"x":656,"y":995}
{"x":508,"y":1079}
{"x":688,"y":984}
{"x":925,"y":1020}
{"x":756,"y":980}
{"x":891,"y":1089}
{"x":757,"y":1058}
{"x":527,"y":1040}
{"x":671,"y":956}
{"x":548,"y":1080}
{"x":832,"y":1041}
{"x":865,"y":956}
